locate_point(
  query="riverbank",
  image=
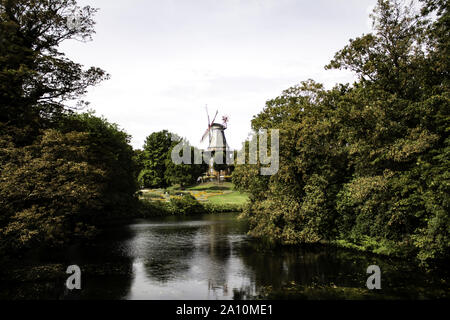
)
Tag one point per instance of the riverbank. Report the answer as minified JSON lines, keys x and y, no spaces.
{"x":210,"y":197}
{"x":183,"y":205}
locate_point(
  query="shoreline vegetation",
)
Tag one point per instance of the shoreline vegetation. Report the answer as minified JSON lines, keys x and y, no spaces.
{"x":204,"y":198}
{"x":364,"y":166}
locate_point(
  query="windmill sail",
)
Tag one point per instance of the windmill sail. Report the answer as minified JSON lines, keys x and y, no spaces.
{"x":208,"y":131}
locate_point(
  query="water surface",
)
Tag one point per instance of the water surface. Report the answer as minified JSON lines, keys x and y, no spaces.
{"x":211,"y":257}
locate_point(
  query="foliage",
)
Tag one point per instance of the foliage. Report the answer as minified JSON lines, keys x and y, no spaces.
{"x":155,"y":152}
{"x":138,"y":159}
{"x":65,"y":183}
{"x":158,"y":169}
{"x":183,"y":174}
{"x":148,"y":209}
{"x":220,"y":161}
{"x":60,"y":173}
{"x":184,"y":204}
{"x":48,"y":190}
{"x":365,"y":165}
{"x":108,"y":149}
{"x":212,"y":207}
{"x":36,"y":78}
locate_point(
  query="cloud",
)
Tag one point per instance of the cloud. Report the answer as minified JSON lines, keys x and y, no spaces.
{"x":170,"y":58}
{"x":369,"y":11}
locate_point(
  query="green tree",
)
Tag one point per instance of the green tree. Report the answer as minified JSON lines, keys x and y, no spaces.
{"x":60,"y":173}
{"x":138,"y":159}
{"x":64,"y":184}
{"x":396,"y":129}
{"x":36,"y":78}
{"x":365,"y":164}
{"x":186,"y":173}
{"x":296,"y":205}
{"x":220,"y":162}
{"x":108,"y":149}
{"x":155,"y":153}
{"x":48,"y":190}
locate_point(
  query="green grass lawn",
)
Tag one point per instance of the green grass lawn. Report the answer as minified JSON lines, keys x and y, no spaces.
{"x":234,"y":197}
{"x":212,"y":186}
{"x":213,"y":192}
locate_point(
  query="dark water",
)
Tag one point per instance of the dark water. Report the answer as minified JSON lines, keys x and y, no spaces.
{"x":210,"y":257}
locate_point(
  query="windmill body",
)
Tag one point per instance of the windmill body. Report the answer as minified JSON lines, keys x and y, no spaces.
{"x":217,"y":142}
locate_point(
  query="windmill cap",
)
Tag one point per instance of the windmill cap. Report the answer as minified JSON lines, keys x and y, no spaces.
{"x":218,"y":125}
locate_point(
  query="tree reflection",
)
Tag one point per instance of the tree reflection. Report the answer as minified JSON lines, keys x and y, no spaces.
{"x":167,"y":252}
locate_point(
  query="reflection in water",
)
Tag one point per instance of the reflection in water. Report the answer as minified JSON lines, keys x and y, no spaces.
{"x":210,"y":257}
{"x":192,"y":259}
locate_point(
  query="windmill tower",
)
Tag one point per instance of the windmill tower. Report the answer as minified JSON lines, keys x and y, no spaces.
{"x":217,"y":141}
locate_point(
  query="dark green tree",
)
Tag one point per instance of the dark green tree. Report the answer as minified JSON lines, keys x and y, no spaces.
{"x":365,"y":165}
{"x":48,"y":191}
{"x":36,"y":78}
{"x":109,"y":149}
{"x":60,"y":173}
{"x":155,"y":152}
{"x":64,"y":184}
{"x":184,"y":174}
{"x":396,"y":129}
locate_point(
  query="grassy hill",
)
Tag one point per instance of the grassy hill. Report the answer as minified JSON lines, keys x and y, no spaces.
{"x":210,"y":192}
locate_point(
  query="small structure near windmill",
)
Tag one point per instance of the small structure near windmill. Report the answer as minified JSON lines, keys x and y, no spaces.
{"x":217,"y":145}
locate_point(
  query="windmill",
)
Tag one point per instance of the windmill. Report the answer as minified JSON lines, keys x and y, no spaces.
{"x":217,"y":141}
{"x":216,"y":134}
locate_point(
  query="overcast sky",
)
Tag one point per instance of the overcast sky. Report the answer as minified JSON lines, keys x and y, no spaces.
{"x":169,"y":58}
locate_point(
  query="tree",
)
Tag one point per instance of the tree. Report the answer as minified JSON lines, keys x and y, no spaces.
{"x":60,"y":173}
{"x":365,"y":165}
{"x":138,"y":159}
{"x":396,"y":133}
{"x":296,"y":205}
{"x":108,"y":149}
{"x":64,"y":184}
{"x":36,"y":79}
{"x":155,"y":152}
{"x":186,"y":173}
{"x":220,"y":162}
{"x":48,"y":191}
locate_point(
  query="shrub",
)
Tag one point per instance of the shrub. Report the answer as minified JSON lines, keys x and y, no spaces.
{"x":185,"y":204}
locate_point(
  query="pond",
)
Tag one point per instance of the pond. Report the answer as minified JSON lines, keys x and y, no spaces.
{"x":211,"y":257}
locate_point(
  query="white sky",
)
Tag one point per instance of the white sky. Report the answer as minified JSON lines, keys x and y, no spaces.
{"x":169,"y":58}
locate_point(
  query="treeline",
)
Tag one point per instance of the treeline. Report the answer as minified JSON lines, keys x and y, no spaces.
{"x":61,"y":173}
{"x":157,"y":170}
{"x":365,"y":165}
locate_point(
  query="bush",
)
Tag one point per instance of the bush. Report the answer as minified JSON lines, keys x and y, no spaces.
{"x":185,"y":204}
{"x":148,"y":209}
{"x":222,"y":208}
